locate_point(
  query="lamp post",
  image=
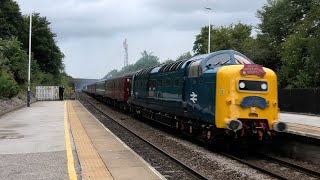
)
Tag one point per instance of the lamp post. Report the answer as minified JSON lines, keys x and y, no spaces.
{"x":30,"y":29}
{"x":209,"y":12}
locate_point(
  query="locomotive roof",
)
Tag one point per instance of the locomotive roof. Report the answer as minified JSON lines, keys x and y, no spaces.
{"x":175,"y":66}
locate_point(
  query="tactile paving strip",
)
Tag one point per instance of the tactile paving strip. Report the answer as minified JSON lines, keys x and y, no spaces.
{"x":91,"y":163}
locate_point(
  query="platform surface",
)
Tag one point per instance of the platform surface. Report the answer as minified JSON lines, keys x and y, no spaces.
{"x":304,"y":125}
{"x":32,"y":143}
{"x":121,"y":162}
{"x":62,"y":140}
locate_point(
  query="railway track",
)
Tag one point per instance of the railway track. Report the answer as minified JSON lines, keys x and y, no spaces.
{"x":292,"y":166}
{"x":190,"y":170}
{"x":255,"y":162}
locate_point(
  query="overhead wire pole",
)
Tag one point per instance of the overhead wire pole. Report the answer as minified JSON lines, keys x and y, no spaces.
{"x":28,"y":96}
{"x":209,"y":28}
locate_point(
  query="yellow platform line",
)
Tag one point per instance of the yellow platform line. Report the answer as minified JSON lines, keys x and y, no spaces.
{"x":91,"y":163}
{"x":71,"y":170}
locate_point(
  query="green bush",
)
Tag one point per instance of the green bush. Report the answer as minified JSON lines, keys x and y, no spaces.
{"x":8,"y":86}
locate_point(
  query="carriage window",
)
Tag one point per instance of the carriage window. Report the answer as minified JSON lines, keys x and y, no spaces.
{"x":241,"y":60}
{"x":219,"y":59}
{"x":160,"y":83}
{"x":195,"y":69}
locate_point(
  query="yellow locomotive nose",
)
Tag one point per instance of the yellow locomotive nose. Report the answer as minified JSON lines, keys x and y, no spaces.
{"x":244,"y":98}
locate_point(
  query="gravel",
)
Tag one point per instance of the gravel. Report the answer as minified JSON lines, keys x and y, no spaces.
{"x":8,"y":105}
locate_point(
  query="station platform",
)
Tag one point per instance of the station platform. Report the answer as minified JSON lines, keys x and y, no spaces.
{"x":62,"y":140}
{"x":303,"y":125}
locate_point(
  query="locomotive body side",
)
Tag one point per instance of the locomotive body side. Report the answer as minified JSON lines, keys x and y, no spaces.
{"x":158,"y":91}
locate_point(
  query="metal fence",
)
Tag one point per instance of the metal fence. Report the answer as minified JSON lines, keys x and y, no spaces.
{"x":300,"y":100}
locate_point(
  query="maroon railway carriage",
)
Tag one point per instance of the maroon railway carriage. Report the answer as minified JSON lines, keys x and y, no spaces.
{"x":117,"y":90}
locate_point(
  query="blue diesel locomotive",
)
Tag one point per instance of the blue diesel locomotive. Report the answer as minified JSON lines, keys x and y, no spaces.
{"x":216,"y":95}
{"x":220,"y":95}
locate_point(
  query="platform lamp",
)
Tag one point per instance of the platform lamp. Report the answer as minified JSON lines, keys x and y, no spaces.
{"x":209,"y":10}
{"x":28,"y":96}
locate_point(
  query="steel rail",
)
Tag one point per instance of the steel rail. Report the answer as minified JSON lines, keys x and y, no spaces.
{"x":276,"y":161}
{"x":276,"y":175}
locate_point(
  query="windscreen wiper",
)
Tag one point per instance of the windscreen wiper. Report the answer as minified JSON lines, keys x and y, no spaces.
{"x":219,"y":63}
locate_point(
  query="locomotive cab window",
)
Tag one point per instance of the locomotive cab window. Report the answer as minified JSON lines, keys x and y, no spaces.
{"x":195,"y":69}
{"x":241,"y":60}
{"x":218,"y":60}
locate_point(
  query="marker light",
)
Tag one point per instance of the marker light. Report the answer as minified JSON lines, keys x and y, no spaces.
{"x":242,"y":85}
{"x":264,"y":86}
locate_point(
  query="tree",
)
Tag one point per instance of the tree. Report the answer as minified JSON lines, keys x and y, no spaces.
{"x":47,"y":67}
{"x":278,"y":18}
{"x":300,"y":55}
{"x":12,"y":23}
{"x":147,"y":60}
{"x":17,"y":59}
{"x":111,"y":74}
{"x":8,"y":86}
{"x":230,"y":37}
{"x":184,"y":56}
{"x":44,"y":47}
{"x":168,"y":61}
{"x":260,"y":53}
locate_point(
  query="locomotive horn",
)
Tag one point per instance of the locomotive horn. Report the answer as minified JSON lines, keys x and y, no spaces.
{"x":280,"y":126}
{"x":234,"y":125}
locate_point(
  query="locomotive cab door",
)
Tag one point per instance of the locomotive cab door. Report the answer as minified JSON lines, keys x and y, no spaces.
{"x":191,"y":87}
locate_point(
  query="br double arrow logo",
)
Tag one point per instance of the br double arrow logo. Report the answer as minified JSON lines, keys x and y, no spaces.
{"x":193,"y":97}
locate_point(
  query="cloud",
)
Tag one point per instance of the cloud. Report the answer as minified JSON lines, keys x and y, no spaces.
{"x":90,"y":32}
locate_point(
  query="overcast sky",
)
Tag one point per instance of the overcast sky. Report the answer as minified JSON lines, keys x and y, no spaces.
{"x":91,"y":32}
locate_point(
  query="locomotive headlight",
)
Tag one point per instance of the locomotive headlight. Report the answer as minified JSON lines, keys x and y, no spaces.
{"x":234,"y":125}
{"x":242,"y":85}
{"x":264,"y":86}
